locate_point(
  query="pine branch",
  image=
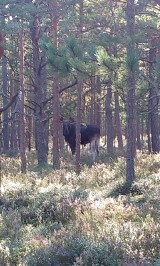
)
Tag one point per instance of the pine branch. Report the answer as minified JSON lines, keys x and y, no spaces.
{"x":3,"y":109}
{"x":61,"y":90}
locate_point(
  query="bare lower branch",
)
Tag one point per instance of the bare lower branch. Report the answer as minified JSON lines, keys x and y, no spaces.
{"x":3,"y":109}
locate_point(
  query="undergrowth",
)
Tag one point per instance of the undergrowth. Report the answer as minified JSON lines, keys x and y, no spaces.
{"x":56,"y":218}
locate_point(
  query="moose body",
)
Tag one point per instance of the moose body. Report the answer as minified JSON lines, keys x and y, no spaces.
{"x":89,"y":134}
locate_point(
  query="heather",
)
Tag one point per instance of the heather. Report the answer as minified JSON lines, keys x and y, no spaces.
{"x":60,"y":218}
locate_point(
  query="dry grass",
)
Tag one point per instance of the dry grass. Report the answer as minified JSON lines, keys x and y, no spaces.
{"x":58,"y":218}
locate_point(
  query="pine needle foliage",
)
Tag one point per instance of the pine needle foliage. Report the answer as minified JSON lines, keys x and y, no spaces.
{"x":106,"y":60}
{"x":58,"y":58}
{"x":74,"y":48}
{"x":71,"y":58}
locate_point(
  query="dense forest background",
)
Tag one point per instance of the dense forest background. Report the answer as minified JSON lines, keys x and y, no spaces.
{"x":95,"y":61}
{"x":91,"y":62}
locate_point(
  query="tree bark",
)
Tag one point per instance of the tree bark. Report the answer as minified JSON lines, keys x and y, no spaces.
{"x":130,"y":104}
{"x":21,"y":96}
{"x":98,"y":104}
{"x":138,"y":132}
{"x":5,"y":131}
{"x":93,"y":97}
{"x":0,"y":156}
{"x":118,"y":122}
{"x":56,"y":112}
{"x":39,"y":96}
{"x":148,"y":126}
{"x":56,"y":125}
{"x":109,"y":118}
{"x":79,"y":98}
{"x":153,"y":100}
{"x":78,"y":126}
{"x":1,"y":45}
{"x":13,"y":129}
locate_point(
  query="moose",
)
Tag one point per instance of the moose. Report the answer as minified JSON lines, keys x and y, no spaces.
{"x":89,"y":134}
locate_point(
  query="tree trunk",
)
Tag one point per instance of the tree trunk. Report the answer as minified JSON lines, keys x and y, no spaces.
{"x":109,"y":118}
{"x":5,"y":131}
{"x":118,"y":122}
{"x":149,"y":133}
{"x":13,"y":128}
{"x":44,"y":87}
{"x":0,"y":155}
{"x":56,"y":125}
{"x":92,"y":104}
{"x":40,"y":95}
{"x":21,"y":96}
{"x":97,"y":102}
{"x":153,"y":100}
{"x":1,"y":45}
{"x":158,"y":64}
{"x":138,"y":134}
{"x":28,"y":133}
{"x":130,"y":104}
{"x":79,"y":98}
{"x":56,"y":112}
{"x":78,"y":125}
{"x":142,"y":129}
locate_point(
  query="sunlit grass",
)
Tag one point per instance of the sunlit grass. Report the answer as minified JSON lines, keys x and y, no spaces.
{"x":58,"y":218}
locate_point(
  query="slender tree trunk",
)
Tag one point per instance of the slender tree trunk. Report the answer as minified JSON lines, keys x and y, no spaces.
{"x":1,"y":45}
{"x":61,"y":139}
{"x":158,"y":75}
{"x":130,"y":104}
{"x":118,"y":122}
{"x":158,"y":64}
{"x":5,"y":131}
{"x":56,"y":112}
{"x":44,"y":87}
{"x":78,"y":126}
{"x":98,"y":104}
{"x":13,"y":129}
{"x":92,"y":104}
{"x":79,"y":98}
{"x":153,"y":100}
{"x":142,"y":129}
{"x":149,"y":133}
{"x":21,"y":94}
{"x":40,"y":95}
{"x":29,"y":119}
{"x":138,"y":135}
{"x":105,"y":128}
{"x":29,"y":133}
{"x":109,"y":118}
{"x":0,"y":155}
{"x":56,"y":125}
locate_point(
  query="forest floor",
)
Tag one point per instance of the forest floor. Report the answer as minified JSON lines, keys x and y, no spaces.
{"x":56,"y":218}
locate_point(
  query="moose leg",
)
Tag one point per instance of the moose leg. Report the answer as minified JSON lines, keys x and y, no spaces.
{"x":97,"y":145}
{"x":93,"y":149}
